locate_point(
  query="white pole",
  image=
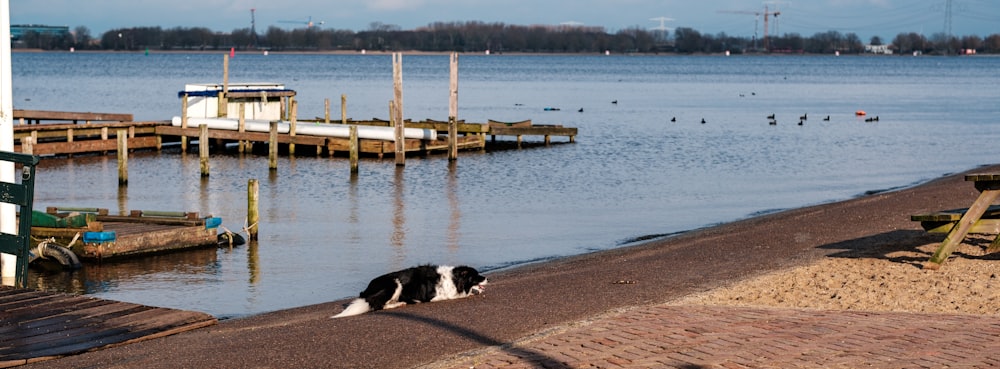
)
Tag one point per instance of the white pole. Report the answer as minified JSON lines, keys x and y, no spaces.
{"x":8,"y":218}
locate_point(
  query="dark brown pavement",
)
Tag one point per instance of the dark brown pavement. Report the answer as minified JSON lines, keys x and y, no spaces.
{"x":556,"y":296}
{"x":666,"y":336}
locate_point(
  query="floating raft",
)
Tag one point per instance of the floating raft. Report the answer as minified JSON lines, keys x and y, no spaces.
{"x":37,"y":326}
{"x":140,"y":232}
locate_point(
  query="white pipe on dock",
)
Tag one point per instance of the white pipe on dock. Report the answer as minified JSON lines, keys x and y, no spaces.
{"x":312,"y":129}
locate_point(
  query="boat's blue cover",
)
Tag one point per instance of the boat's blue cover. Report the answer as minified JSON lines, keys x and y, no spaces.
{"x":99,"y":236}
{"x":212,"y":222}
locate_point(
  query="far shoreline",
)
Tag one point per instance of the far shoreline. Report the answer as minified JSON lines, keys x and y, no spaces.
{"x":467,"y":53}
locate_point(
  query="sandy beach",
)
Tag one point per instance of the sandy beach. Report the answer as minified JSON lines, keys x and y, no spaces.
{"x":887,"y":277}
{"x":862,"y":254}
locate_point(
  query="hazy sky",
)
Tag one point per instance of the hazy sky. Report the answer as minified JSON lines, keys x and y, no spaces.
{"x":885,"y":18}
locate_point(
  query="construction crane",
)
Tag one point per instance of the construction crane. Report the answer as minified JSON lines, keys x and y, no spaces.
{"x":757,"y":14}
{"x":308,"y":22}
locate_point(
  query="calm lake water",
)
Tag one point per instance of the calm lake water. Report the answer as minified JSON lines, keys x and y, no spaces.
{"x":631,"y":173}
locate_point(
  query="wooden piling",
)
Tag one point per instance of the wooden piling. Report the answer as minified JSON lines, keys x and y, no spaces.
{"x":203,"y":149}
{"x":224,"y":94}
{"x":272,"y":147}
{"x":122,"y":157}
{"x":28,"y":145}
{"x":253,"y":212}
{"x":395,"y":122}
{"x":104,"y":136}
{"x":453,"y":109}
{"x":397,"y":83}
{"x":184,"y":121}
{"x":242,"y":128}
{"x":291,"y":130}
{"x":343,"y":108}
{"x":354,"y":147}
{"x":326,"y":111}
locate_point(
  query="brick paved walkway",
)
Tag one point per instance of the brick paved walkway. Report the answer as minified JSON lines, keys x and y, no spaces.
{"x":690,"y":337}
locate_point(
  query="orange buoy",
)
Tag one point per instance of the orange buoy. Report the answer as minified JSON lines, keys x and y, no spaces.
{"x":860,"y":113}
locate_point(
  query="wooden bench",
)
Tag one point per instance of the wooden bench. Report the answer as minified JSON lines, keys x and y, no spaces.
{"x":943,"y":221}
{"x":980,"y":217}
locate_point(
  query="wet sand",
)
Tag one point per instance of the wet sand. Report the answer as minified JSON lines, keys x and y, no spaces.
{"x":863,"y":253}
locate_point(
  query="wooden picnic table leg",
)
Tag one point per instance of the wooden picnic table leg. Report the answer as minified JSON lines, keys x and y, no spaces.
{"x":958,"y":232}
{"x":994,"y":246}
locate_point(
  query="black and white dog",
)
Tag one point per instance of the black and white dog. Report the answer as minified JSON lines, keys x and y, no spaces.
{"x":425,"y":283}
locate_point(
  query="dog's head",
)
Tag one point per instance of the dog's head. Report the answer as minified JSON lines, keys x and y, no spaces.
{"x":469,"y":280}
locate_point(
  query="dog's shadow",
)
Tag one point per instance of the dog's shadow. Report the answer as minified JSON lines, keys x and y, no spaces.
{"x":537,"y":358}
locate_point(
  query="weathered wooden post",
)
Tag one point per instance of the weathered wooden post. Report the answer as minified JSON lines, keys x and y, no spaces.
{"x":69,"y":138}
{"x":184,"y":121}
{"x":28,"y":145}
{"x":397,"y":132}
{"x":122,"y":157}
{"x":253,"y":213}
{"x":397,"y":83}
{"x":453,"y":109}
{"x":224,"y":94}
{"x":104,"y":136}
{"x":291,"y":130}
{"x":203,"y":148}
{"x":242,"y":128}
{"x":354,"y":147}
{"x":272,"y":147}
{"x":343,"y":108}
{"x":326,"y":110}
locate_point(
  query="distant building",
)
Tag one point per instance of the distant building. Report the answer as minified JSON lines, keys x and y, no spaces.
{"x":17,"y":31}
{"x":878,"y":49}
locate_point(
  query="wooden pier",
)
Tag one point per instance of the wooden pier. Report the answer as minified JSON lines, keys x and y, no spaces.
{"x":70,"y":138}
{"x":36,"y":326}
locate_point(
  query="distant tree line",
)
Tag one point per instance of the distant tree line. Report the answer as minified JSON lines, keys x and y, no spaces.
{"x":499,"y":38}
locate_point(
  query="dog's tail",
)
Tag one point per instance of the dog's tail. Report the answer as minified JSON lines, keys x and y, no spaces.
{"x":357,"y":307}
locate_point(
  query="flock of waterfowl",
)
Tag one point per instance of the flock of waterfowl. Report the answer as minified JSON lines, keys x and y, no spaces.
{"x":771,"y":120}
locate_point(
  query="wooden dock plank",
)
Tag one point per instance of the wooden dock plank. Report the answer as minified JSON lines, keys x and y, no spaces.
{"x":79,"y":147}
{"x":73,"y":116}
{"x":50,"y":331}
{"x":64,"y":324}
{"x":40,"y":317}
{"x":26,"y":301}
{"x":533,"y":131}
